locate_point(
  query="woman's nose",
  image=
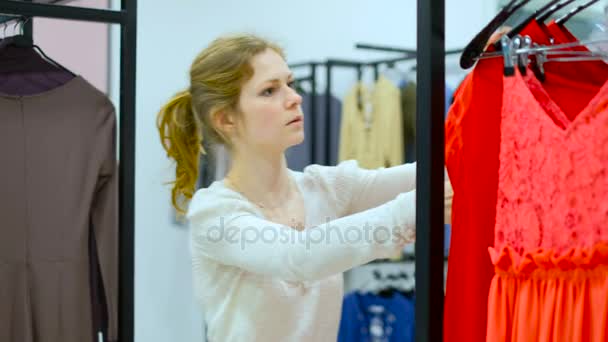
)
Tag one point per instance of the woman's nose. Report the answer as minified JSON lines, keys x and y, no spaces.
{"x":293,"y":98}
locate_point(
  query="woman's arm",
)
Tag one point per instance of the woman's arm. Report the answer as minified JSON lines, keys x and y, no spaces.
{"x":380,"y":185}
{"x":248,"y":242}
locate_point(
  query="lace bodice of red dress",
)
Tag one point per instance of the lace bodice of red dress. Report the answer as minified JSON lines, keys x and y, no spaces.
{"x":553,"y":176}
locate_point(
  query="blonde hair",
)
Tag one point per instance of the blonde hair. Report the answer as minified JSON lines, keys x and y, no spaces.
{"x":216,"y":77}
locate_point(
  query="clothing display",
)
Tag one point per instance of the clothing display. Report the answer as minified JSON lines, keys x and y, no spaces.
{"x":551,"y":249}
{"x":472,"y":142}
{"x":59,"y":232}
{"x":298,"y":285}
{"x":408,"y":109}
{"x":300,"y":156}
{"x":368,"y":317}
{"x":408,"y":106}
{"x":520,"y":142}
{"x":372,"y":133}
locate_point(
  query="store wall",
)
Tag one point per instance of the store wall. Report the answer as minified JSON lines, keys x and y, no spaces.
{"x":169,"y":36}
{"x":82,"y":47}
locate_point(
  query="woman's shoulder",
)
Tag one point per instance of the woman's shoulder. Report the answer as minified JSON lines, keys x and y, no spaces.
{"x":217,"y":199}
{"x":345,"y":170}
{"x":335,"y":183}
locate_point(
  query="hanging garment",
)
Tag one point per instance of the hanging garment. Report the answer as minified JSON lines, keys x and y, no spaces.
{"x":220,"y":160}
{"x":214,"y":165}
{"x":372,"y":134}
{"x":300,"y":156}
{"x":472,"y":143}
{"x":42,"y":75}
{"x":559,"y":76}
{"x":367,"y":317}
{"x":472,"y":160}
{"x":60,"y":187}
{"x":206,"y":174}
{"x":551,"y":244}
{"x":408,"y":109}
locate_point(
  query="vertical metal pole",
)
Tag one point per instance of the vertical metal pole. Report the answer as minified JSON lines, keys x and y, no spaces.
{"x":376,"y":72}
{"x":328,"y":113}
{"x":128,"y":46}
{"x":430,"y":177}
{"x":313,"y":112}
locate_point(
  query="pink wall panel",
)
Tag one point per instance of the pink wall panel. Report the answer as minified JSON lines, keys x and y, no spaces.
{"x":82,"y":47}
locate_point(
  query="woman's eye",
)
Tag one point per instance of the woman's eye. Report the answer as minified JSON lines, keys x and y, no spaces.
{"x":268,"y":92}
{"x":291,"y":84}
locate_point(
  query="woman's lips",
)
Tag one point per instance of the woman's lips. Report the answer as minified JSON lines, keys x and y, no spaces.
{"x":297,"y":119}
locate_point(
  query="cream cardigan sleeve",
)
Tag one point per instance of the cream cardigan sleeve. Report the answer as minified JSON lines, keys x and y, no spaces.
{"x":231,"y":231}
{"x":377,"y":186}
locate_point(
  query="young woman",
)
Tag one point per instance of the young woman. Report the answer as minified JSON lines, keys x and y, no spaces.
{"x":269,"y":244}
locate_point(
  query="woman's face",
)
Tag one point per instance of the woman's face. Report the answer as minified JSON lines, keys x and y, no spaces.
{"x":269,"y":105}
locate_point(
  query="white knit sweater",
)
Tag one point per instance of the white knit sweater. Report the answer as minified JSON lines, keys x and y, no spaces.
{"x":257,"y":280}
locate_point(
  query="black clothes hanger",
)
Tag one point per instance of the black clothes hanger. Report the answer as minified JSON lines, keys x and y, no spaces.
{"x":477,"y":45}
{"x":565,"y":18}
{"x":522,"y":41}
{"x":389,"y":291}
{"x":515,"y":31}
{"x":553,"y":10}
{"x":21,"y":49}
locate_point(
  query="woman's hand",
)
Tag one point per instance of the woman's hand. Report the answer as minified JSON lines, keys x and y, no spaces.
{"x":448,"y":195}
{"x":497,"y":35}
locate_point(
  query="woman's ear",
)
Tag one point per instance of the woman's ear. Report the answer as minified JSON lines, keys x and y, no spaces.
{"x":224,"y":121}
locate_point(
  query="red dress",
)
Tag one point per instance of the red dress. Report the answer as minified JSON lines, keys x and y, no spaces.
{"x":551,"y":240}
{"x":472,"y":150}
{"x":472,"y":146}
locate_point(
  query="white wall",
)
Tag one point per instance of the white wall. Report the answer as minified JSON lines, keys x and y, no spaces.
{"x":169,"y":35}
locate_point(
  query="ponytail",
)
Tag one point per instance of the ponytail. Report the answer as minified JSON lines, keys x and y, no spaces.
{"x":217,"y":75}
{"x":181,"y":137}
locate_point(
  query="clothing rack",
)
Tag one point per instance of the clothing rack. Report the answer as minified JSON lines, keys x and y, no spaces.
{"x":430,"y":169}
{"x":429,"y":252}
{"x":430,"y":161}
{"x":312,"y":78}
{"x":329,"y":66}
{"x":126,"y":17}
{"x":387,"y":48}
{"x":402,"y":258}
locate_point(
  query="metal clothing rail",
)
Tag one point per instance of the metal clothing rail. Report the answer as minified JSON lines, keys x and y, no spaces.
{"x":398,"y":49}
{"x":34,"y":9}
{"x":127,"y":18}
{"x":429,"y":169}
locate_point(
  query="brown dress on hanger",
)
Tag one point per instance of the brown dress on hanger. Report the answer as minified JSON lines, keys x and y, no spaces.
{"x":59,"y":214}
